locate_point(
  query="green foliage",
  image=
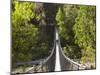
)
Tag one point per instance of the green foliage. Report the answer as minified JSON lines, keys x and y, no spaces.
{"x":23,"y":12}
{"x":85,"y":33}
{"x":60,"y":16}
{"x":23,"y":32}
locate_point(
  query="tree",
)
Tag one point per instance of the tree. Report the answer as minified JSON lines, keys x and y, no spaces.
{"x":23,"y":32}
{"x":85,"y":33}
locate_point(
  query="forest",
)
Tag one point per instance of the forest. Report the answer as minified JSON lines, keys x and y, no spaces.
{"x":33,"y":27}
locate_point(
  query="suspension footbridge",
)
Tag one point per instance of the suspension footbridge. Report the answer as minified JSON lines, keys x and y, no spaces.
{"x":56,"y":61}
